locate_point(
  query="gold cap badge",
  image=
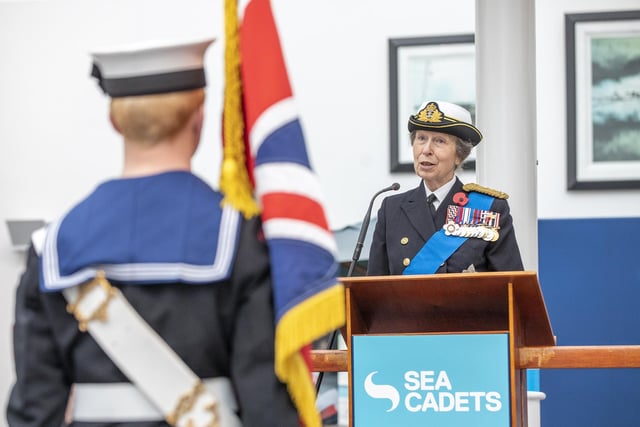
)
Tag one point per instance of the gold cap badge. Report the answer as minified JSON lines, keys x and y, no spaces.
{"x":430,"y":114}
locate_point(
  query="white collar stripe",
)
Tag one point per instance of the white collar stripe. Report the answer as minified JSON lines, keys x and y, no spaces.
{"x":164,"y":272}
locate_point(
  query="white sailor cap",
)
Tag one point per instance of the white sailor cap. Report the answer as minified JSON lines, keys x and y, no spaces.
{"x":151,"y":68}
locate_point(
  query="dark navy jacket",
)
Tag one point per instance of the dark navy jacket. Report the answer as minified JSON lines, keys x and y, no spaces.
{"x":404,"y":225}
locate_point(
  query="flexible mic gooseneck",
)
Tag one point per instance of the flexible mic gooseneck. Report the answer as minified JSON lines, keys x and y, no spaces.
{"x":354,"y":260}
{"x":365,"y":225}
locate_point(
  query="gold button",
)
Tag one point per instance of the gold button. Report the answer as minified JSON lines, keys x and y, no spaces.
{"x":404,"y":240}
{"x":406,"y":261}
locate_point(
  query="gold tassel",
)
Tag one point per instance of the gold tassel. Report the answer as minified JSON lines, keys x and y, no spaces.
{"x":314,"y":317}
{"x":234,"y":177}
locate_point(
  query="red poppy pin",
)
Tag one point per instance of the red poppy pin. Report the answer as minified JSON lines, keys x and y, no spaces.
{"x":460,"y":198}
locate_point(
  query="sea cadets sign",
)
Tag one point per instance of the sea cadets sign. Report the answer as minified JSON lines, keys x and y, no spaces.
{"x":419,"y":380}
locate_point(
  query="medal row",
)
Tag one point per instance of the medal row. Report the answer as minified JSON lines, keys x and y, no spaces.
{"x":486,"y":233}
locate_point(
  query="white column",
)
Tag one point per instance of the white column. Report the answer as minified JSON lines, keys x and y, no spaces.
{"x":506,"y":111}
{"x":506,"y":115}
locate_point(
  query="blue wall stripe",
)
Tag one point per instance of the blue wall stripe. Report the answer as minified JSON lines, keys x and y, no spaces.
{"x":589,"y":271}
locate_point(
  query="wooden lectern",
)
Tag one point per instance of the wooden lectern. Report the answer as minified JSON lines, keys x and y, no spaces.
{"x":494,"y":302}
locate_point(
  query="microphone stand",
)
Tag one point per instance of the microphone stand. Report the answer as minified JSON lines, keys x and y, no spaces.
{"x":354,"y":260}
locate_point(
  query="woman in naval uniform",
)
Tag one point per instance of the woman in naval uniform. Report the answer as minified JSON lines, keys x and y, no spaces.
{"x":443,"y":226}
{"x":183,"y":333}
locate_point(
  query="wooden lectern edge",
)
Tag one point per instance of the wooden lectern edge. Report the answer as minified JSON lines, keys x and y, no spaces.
{"x":541,"y":357}
{"x":536,"y":330}
{"x":550,"y":357}
{"x":451,"y":276}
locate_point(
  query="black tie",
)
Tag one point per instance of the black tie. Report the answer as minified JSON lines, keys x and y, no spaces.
{"x":430,"y":199}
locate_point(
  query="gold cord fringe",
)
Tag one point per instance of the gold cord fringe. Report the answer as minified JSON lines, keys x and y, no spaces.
{"x":234,"y":177}
{"x":304,"y":323}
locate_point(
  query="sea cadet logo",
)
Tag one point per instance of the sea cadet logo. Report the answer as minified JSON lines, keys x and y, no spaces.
{"x":382,"y":391}
{"x":425,"y":391}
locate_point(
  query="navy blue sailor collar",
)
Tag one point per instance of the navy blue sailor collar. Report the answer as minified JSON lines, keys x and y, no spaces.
{"x":143,"y":231}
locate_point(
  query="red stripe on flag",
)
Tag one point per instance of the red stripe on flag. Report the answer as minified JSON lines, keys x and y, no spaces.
{"x":293,"y":206}
{"x":309,"y":301}
{"x":261,"y":56}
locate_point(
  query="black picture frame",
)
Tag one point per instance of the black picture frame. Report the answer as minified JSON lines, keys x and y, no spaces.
{"x":447,"y":51}
{"x":603,"y":105}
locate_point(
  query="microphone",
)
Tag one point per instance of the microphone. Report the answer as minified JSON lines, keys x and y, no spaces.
{"x":365,"y":225}
{"x":354,"y":260}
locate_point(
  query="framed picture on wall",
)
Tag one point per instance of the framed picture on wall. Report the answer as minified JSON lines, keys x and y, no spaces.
{"x":427,"y":68}
{"x":603,"y":100}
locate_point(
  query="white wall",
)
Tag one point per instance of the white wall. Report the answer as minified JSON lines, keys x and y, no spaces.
{"x":56,"y":144}
{"x":554,"y":201}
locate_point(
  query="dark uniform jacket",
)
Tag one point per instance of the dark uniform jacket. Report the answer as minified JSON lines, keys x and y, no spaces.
{"x":404,"y":225}
{"x":224,"y":328}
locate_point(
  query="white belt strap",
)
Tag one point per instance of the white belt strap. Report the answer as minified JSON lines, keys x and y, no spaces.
{"x":141,"y":354}
{"x":123,"y":402}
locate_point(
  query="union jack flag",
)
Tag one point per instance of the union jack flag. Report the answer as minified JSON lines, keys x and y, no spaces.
{"x":309,"y":301}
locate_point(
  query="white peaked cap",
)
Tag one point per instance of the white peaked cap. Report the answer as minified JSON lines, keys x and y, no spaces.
{"x":151,"y":68}
{"x":445,"y":117}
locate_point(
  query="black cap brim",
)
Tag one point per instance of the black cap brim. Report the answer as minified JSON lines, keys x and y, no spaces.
{"x":462,"y":130}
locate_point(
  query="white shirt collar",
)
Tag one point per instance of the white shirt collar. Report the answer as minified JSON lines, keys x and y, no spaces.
{"x":441,"y":192}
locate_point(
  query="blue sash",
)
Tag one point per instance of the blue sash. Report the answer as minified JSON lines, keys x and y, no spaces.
{"x":440,"y":246}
